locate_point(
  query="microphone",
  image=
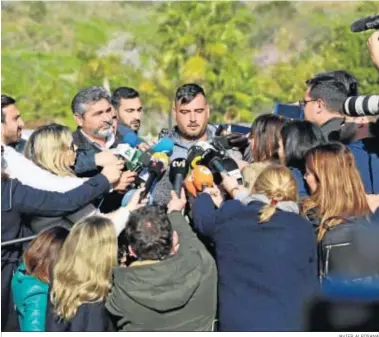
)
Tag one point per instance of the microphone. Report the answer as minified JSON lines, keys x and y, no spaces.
{"x":204,"y":145}
{"x":221,"y":143}
{"x":370,"y":22}
{"x":156,"y":169}
{"x":132,"y":139}
{"x":202,"y":177}
{"x":134,"y":159}
{"x":178,"y":171}
{"x":189,"y":185}
{"x":165,"y":145}
{"x":361,"y":105}
{"x":162,"y":157}
{"x":212,"y":160}
{"x":194,"y":155}
{"x":233,"y":170}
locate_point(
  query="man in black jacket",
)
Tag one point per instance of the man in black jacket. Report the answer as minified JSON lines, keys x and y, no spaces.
{"x":93,"y":113}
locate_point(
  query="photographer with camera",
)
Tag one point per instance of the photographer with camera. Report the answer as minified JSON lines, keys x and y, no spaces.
{"x":324,"y":104}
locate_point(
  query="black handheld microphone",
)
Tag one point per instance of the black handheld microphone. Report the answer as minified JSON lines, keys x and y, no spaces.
{"x":178,"y":172}
{"x":194,"y":155}
{"x":221,"y":143}
{"x":143,"y":161}
{"x":233,"y":170}
{"x":156,"y":170}
{"x":370,"y":22}
{"x":212,"y":160}
{"x":233,"y":140}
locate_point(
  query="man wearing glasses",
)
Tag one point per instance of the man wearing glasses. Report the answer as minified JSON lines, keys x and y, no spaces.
{"x":323,"y":104}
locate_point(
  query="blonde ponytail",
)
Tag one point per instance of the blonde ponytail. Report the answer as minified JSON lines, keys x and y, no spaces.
{"x":267,"y":212}
{"x":277,"y":183}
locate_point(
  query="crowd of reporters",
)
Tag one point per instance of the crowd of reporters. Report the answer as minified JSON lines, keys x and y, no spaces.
{"x":204,"y":230}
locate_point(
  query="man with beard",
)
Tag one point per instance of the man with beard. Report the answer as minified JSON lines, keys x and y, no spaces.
{"x":93,"y":113}
{"x":128,"y":105}
{"x":192,"y":112}
{"x":11,"y":123}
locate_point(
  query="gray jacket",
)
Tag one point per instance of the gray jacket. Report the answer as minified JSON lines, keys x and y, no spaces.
{"x":162,"y":192}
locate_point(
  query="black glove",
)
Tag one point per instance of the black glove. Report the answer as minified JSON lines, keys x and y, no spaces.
{"x":238,"y":140}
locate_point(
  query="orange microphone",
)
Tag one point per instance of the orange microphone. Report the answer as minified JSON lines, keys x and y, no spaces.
{"x":202,"y":177}
{"x":190,"y":187}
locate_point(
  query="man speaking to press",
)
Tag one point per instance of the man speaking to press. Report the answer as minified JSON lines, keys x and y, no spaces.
{"x":192,"y":114}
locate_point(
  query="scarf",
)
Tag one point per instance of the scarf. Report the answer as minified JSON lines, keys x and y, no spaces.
{"x":286,"y":206}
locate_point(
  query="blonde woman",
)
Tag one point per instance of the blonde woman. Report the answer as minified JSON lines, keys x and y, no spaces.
{"x":340,"y":209}
{"x":251,"y":172}
{"x":51,"y":147}
{"x":82,"y":278}
{"x":265,"y":253}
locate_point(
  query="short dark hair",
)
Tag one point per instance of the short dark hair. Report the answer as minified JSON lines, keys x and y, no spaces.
{"x":348,"y":80}
{"x":123,"y":93}
{"x":187,"y":92}
{"x":41,"y":254}
{"x":332,"y":92}
{"x":298,"y":138}
{"x":5,"y":101}
{"x":88,"y":96}
{"x":265,"y":132}
{"x":149,"y":233}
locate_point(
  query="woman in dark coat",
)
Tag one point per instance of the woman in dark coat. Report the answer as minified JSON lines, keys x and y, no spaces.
{"x":265,"y":253}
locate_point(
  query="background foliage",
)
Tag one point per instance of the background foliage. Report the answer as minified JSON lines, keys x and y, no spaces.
{"x":247,"y":55}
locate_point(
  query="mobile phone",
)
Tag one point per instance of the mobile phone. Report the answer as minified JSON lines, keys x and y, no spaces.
{"x":288,"y":111}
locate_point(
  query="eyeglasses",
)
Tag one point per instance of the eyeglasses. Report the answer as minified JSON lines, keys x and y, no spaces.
{"x":304,"y":102}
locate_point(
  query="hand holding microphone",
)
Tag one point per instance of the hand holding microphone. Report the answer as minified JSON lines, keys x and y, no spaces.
{"x":231,"y":185}
{"x":134,"y":203}
{"x":215,"y":194}
{"x":127,"y":178}
{"x":105,"y":158}
{"x":175,"y":203}
{"x":156,"y":169}
{"x":112,"y":173}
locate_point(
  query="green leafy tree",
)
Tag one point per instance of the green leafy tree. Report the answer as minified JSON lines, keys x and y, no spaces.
{"x":206,"y":43}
